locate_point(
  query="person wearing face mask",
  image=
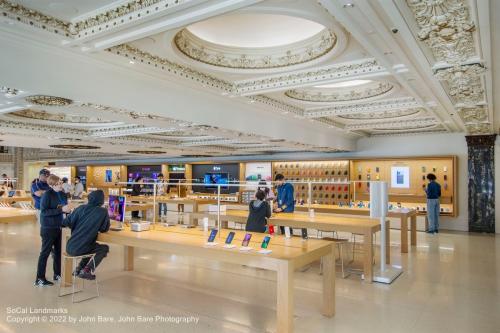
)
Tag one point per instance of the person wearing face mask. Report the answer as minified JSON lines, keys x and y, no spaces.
{"x":51,"y":217}
{"x":38,"y":188}
{"x":78,"y":189}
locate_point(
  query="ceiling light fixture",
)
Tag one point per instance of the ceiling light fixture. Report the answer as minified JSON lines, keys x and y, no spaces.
{"x":348,"y":5}
{"x":131,"y":62}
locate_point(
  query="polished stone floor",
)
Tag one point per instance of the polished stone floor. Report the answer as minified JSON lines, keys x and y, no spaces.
{"x":451,"y":283}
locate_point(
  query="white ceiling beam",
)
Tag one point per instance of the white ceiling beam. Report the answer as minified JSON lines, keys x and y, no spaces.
{"x":363,"y":12}
{"x":178,"y":19}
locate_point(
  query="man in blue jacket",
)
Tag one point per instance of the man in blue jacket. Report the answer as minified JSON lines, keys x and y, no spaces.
{"x":285,"y":199}
{"x":85,"y":223}
{"x":38,"y":188}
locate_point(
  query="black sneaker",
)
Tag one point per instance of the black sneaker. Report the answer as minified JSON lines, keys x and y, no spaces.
{"x":43,"y":283}
{"x":86,"y":274}
{"x":57,"y":278}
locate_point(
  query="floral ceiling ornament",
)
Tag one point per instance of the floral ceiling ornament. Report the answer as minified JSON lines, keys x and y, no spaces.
{"x":372,"y":90}
{"x":250,"y":58}
{"x":464,"y":82}
{"x":46,"y":100}
{"x":473,"y":115}
{"x":478,"y":128}
{"x":445,"y":26}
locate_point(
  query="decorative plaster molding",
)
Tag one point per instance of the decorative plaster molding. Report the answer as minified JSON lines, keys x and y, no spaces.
{"x":479,"y":128}
{"x":383,"y":114}
{"x":58,"y":117}
{"x":368,"y":91}
{"x":446,"y":28}
{"x":433,"y":130}
{"x":416,"y":123}
{"x":167,"y":66}
{"x":45,"y":100}
{"x":464,"y":82}
{"x":282,"y":107}
{"x":254,"y":58}
{"x":481,"y":140}
{"x":378,"y":106}
{"x":313,"y":75}
{"x":9,"y":92}
{"x":111,"y":19}
{"x":473,"y":115}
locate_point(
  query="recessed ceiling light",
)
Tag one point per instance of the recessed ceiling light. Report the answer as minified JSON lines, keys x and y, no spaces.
{"x":131,"y":62}
{"x":345,"y":84}
{"x":348,"y":5}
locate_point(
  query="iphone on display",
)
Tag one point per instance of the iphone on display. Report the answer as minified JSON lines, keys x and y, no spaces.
{"x":246,"y":240}
{"x":265,"y":242}
{"x":271,"y":229}
{"x":213,"y":233}
{"x":230,"y":237}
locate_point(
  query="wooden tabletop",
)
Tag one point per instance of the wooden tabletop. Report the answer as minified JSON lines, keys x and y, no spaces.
{"x":178,"y":238}
{"x":335,"y":209}
{"x":15,"y":199}
{"x":11,"y":214}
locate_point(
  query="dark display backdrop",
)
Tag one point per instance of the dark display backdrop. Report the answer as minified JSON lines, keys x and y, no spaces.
{"x":81,"y":171}
{"x":148,"y":172}
{"x":199,"y":171}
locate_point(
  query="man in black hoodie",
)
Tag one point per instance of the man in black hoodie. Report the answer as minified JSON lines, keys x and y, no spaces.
{"x":85,"y":223}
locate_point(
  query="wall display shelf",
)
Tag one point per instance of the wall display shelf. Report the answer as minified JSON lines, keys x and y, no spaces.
{"x":406,"y":178}
{"x":317,"y":172}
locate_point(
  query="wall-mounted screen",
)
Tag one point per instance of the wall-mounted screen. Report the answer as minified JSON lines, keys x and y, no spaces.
{"x":212,"y":179}
{"x":400,"y":177}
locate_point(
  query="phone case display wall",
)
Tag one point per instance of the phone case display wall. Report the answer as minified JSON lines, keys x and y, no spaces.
{"x":407,"y":180}
{"x":317,"y":171}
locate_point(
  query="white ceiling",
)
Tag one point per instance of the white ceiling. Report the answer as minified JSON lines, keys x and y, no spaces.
{"x":245,"y":78}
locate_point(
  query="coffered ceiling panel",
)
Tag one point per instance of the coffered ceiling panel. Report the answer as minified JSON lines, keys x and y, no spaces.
{"x":337,"y":69}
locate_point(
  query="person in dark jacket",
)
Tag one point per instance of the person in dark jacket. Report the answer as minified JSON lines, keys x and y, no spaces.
{"x":136,"y":190}
{"x":85,"y":223}
{"x":51,"y":216}
{"x":433,"y":192}
{"x":285,"y":198}
{"x":258,"y":211}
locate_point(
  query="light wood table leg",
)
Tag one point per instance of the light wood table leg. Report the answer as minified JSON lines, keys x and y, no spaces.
{"x":368,"y":260}
{"x":67,"y":269}
{"x":413,"y":221}
{"x":404,"y":234}
{"x":388,"y":242}
{"x":128,"y":258}
{"x":328,"y":309}
{"x":284,"y":309}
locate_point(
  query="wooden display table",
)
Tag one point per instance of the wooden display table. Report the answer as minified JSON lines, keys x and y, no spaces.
{"x":286,"y":257}
{"x":403,"y":216}
{"x":15,"y":199}
{"x":15,"y":215}
{"x":141,"y":207}
{"x":324,"y":222}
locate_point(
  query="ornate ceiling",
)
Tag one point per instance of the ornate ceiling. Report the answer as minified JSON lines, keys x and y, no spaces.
{"x":351,"y":69}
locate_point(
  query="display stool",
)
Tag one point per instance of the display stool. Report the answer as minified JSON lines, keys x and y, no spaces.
{"x":353,"y":239}
{"x":74,"y":263}
{"x":340,"y":243}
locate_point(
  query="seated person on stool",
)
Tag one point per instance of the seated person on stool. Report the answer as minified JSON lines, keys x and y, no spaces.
{"x":258,"y":211}
{"x":85,"y":223}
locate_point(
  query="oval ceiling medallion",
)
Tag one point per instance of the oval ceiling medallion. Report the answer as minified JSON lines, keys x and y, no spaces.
{"x":74,"y":147}
{"x":146,"y":152}
{"x":60,"y":117}
{"x":48,"y":100}
{"x":345,"y":93}
{"x":255,"y":41}
{"x":380,"y":115}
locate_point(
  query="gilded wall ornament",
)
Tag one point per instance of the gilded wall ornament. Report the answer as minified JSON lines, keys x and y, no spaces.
{"x":254,"y":58}
{"x":479,"y":128}
{"x":48,"y":100}
{"x":371,"y":90}
{"x":446,"y":28}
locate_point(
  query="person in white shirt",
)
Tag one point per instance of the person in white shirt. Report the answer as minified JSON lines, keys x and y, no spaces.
{"x":67,"y":187}
{"x":78,"y":188}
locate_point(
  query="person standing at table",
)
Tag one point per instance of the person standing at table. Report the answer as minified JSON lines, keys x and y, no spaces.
{"x":38,"y":188}
{"x":67,"y":187}
{"x":161,"y":190}
{"x":285,"y":199}
{"x":51,"y":217}
{"x":78,"y":188}
{"x":433,"y":192}
{"x":136,"y":191}
{"x":259,"y":211}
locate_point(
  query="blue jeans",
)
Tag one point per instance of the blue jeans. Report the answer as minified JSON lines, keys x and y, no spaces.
{"x":433,"y":214}
{"x":162,"y":208}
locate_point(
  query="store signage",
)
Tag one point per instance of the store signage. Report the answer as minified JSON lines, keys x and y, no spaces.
{"x":217,"y":168}
{"x":176,"y":168}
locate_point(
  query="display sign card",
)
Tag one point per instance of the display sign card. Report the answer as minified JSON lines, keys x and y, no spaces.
{"x":400,"y":177}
